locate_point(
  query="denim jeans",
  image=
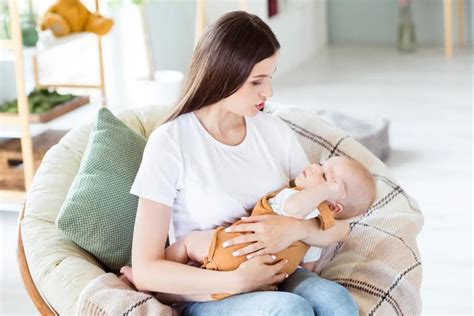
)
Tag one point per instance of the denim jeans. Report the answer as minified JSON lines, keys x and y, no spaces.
{"x":303,"y":293}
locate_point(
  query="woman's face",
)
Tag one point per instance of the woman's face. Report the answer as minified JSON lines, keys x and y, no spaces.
{"x":251,"y":97}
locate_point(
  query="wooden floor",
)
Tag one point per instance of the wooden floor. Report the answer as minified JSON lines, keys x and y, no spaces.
{"x":428,"y":101}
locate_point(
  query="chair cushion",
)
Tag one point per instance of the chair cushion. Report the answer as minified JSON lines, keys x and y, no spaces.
{"x":380,"y":262}
{"x":58,"y":266}
{"x":99,"y":212}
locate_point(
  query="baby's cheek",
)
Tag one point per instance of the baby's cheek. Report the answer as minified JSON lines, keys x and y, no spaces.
{"x":316,"y":181}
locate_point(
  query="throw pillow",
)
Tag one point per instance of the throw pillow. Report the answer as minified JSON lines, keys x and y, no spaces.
{"x":99,"y":212}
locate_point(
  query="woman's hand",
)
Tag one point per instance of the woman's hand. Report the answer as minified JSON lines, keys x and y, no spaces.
{"x":260,"y":274}
{"x":271,"y":234}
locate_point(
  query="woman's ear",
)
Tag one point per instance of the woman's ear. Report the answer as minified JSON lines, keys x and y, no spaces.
{"x":336,"y":208}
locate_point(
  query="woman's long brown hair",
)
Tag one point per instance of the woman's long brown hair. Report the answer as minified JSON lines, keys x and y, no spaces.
{"x":223,"y":59}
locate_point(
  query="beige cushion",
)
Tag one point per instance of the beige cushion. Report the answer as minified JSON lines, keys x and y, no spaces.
{"x":59,"y":268}
{"x":374,"y":264}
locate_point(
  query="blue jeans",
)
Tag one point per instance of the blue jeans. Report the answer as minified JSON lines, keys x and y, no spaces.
{"x":303,"y":293}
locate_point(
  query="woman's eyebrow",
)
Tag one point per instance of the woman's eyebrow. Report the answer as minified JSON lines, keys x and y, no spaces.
{"x":262,"y":76}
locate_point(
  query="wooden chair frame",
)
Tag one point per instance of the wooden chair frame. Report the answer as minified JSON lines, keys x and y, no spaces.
{"x":43,"y":307}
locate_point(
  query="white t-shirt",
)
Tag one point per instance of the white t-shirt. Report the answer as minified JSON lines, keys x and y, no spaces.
{"x":277,"y":204}
{"x":210,"y":184}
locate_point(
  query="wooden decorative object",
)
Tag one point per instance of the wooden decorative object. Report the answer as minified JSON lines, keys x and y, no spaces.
{"x":11,"y":160}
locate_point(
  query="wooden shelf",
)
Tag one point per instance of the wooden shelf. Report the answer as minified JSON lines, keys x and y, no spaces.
{"x":9,"y":119}
{"x":13,"y":50}
{"x":13,"y":118}
{"x":11,"y":160}
{"x":46,"y":42}
{"x":11,"y":200}
{"x":12,"y":196}
{"x":6,"y":44}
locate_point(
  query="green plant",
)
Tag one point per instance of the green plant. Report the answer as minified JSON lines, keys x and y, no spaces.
{"x":39,"y":101}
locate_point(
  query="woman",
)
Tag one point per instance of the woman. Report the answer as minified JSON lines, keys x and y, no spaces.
{"x":215,"y":156}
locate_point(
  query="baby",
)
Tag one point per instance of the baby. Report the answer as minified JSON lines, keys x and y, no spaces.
{"x":341,"y":188}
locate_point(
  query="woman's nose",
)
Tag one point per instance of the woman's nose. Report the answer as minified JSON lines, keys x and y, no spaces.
{"x":267,"y":92}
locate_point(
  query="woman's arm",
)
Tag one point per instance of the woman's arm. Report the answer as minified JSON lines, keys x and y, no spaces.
{"x":153,"y":272}
{"x":150,"y":268}
{"x":269,"y":234}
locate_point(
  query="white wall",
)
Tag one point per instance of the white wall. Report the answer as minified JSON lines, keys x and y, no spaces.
{"x":301,"y":30}
{"x":375,"y":21}
{"x":300,"y":27}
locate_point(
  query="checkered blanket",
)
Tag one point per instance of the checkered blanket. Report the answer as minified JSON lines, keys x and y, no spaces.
{"x":380,"y":262}
{"x":107,"y":295}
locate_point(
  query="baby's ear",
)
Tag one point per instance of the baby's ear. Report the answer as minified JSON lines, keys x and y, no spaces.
{"x":336,"y":208}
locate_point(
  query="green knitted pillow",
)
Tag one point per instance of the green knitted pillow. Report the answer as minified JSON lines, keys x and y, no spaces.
{"x":99,"y":212}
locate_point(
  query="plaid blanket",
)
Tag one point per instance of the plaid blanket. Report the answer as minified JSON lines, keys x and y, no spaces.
{"x":107,"y":295}
{"x":380,"y":262}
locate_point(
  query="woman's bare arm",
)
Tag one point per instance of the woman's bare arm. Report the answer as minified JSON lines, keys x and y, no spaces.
{"x":153,"y":272}
{"x":269,"y":234}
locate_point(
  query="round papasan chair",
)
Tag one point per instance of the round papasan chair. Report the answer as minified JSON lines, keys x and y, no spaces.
{"x":379,"y":263}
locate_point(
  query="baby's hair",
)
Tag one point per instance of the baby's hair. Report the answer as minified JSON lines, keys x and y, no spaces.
{"x":360,"y":203}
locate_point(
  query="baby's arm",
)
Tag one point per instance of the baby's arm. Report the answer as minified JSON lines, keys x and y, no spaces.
{"x":303,"y":202}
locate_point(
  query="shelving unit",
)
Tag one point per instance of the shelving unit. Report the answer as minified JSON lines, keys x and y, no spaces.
{"x":12,"y":49}
{"x":448,"y":25}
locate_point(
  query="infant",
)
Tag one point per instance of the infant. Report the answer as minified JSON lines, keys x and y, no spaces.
{"x":342,"y":187}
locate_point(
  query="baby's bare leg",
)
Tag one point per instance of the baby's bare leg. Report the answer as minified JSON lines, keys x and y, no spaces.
{"x":309,"y":265}
{"x":192,"y":247}
{"x":177,"y":251}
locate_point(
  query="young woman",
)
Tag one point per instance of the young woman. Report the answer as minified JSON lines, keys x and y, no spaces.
{"x":212,"y":159}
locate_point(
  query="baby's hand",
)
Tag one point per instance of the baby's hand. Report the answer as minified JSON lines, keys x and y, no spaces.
{"x":337,"y":190}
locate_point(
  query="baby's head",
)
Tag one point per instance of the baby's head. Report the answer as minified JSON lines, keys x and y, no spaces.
{"x":358,"y":182}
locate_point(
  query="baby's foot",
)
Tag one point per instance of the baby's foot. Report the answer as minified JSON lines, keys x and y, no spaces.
{"x":127,"y":277}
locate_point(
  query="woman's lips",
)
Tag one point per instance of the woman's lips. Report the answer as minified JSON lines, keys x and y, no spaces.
{"x":260,"y":106}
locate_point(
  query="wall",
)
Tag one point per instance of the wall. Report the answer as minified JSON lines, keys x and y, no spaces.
{"x":375,"y":21}
{"x":7,"y":81}
{"x":300,"y":27}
